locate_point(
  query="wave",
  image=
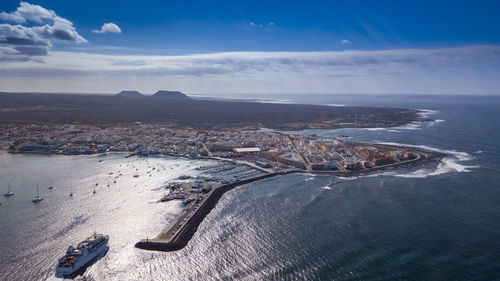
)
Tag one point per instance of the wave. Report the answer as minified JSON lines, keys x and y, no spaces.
{"x":375,"y":129}
{"x":448,"y":164}
{"x":426,"y":112}
{"x":335,"y":104}
{"x":348,"y":178}
{"x":326,"y":187}
{"x":412,"y":126}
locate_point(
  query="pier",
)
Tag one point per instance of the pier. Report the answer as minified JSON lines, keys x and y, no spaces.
{"x":180,"y":230}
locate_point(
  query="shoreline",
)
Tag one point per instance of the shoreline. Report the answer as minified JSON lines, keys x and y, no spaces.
{"x":179,"y":231}
{"x":185,"y":231}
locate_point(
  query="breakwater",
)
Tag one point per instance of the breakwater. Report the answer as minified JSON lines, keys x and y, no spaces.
{"x":183,"y":235}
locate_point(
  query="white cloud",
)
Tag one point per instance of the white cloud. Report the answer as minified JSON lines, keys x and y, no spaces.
{"x":108,"y":28}
{"x":22,"y":42}
{"x":345,"y":42}
{"x":470,"y":69}
{"x":28,"y":12}
{"x":261,"y":26}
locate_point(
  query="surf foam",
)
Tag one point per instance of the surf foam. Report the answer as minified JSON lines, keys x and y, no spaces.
{"x":448,"y":164}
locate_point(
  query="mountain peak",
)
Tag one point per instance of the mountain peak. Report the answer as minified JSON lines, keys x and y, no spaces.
{"x":130,"y":94}
{"x":171,"y":95}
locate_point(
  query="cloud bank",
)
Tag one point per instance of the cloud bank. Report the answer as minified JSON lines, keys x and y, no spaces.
{"x":467,"y":69}
{"x":41,"y":27}
{"x":108,"y":28}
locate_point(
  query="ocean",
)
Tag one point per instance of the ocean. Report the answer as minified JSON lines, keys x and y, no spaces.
{"x":440,"y":221}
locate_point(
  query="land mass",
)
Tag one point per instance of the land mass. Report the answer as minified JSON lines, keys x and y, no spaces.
{"x":170,"y":123}
{"x":177,"y":109}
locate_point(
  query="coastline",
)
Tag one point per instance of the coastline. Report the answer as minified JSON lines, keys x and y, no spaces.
{"x":181,"y":229}
{"x":185,"y":231}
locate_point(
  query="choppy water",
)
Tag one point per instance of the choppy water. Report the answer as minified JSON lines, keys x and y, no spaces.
{"x":441,"y":221}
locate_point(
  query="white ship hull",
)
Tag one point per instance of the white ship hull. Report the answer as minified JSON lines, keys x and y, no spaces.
{"x":84,"y":259}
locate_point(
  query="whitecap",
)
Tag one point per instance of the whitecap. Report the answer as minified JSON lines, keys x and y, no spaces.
{"x":375,"y":129}
{"x":448,"y":164}
{"x":326,"y":187}
{"x":426,"y":112}
{"x":413,"y":126}
{"x":348,"y":178}
{"x":335,"y":104}
{"x":479,"y":152}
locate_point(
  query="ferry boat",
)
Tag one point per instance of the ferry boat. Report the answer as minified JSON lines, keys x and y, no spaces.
{"x":85,"y":252}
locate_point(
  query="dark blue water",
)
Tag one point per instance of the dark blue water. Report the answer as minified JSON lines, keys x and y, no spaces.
{"x":436,"y":222}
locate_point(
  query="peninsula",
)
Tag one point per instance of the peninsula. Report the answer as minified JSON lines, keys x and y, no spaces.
{"x":170,"y":123}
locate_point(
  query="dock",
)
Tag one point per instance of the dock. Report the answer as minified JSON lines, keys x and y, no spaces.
{"x":180,"y":230}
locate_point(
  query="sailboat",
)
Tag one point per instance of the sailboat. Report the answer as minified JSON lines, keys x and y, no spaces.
{"x":96,"y":182}
{"x":71,"y":194}
{"x":9,"y":193}
{"x":51,"y":185}
{"x":37,"y":197}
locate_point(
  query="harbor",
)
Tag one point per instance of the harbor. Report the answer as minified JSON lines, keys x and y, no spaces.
{"x":201,"y":196}
{"x":180,"y":230}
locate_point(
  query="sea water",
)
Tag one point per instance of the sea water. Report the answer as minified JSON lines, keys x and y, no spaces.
{"x":437,"y":221}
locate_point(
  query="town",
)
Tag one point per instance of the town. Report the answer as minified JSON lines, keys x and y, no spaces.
{"x":267,"y":149}
{"x":242,"y":156}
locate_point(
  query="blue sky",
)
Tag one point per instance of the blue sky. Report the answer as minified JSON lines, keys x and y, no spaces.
{"x":254,"y":46}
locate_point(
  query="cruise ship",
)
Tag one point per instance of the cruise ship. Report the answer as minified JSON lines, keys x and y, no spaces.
{"x":78,"y":257}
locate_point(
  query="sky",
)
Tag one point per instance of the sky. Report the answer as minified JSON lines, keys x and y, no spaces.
{"x":244,"y":47}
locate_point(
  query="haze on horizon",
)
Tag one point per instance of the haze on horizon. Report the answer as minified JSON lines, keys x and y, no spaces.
{"x":225,"y":47}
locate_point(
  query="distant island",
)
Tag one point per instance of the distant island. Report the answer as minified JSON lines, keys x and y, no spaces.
{"x":169,"y":123}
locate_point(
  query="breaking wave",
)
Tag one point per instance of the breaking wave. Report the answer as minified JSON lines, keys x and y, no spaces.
{"x":426,"y":112}
{"x":450,"y":163}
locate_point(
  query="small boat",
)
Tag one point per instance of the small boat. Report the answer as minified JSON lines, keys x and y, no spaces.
{"x":136,"y":176}
{"x":93,"y":192}
{"x":37,"y":197}
{"x":9,"y":193}
{"x":51,"y":187}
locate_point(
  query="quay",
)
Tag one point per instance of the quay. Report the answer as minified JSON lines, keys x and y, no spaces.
{"x":180,"y":230}
{"x":178,"y":233}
